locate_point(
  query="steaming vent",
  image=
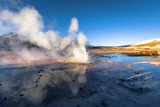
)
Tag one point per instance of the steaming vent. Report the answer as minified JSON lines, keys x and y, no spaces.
{"x":31,"y":43}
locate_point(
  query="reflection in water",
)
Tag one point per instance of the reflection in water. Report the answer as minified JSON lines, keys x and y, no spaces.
{"x":139,"y":68}
{"x":54,"y":84}
{"x":138,"y":75}
{"x":154,"y":62}
{"x":32,"y":85}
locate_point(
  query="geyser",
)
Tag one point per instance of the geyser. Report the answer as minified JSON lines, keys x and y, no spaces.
{"x":28,"y":23}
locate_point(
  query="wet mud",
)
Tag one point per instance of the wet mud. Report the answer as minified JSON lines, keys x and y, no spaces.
{"x":112,"y":80}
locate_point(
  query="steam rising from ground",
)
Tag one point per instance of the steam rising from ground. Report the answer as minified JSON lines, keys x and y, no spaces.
{"x":28,"y":23}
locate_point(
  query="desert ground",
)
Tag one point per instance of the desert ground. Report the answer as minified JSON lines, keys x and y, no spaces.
{"x":111,"y":79}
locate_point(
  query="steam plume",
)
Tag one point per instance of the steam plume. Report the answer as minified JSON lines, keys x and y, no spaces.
{"x":28,"y":23}
{"x":74,"y":26}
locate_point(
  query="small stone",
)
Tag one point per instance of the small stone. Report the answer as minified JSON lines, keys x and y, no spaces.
{"x":131,"y":84}
{"x":92,"y":90}
{"x":103,"y":103}
{"x":141,"y":89}
{"x":117,"y":82}
{"x":5,"y":98}
{"x":81,"y":89}
{"x":21,"y":95}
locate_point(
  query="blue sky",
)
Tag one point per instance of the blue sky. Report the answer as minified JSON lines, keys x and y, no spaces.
{"x":105,"y":22}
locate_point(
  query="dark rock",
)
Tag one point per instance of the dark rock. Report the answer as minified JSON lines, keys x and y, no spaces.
{"x":5,"y":98}
{"x":103,"y":103}
{"x":141,"y":89}
{"x":81,"y":89}
{"x":21,"y":95}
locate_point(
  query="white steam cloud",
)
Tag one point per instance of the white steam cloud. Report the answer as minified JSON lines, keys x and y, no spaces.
{"x":28,"y":23}
{"x":74,"y":26}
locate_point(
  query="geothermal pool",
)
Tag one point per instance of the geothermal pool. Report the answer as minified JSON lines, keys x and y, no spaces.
{"x":112,"y":79}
